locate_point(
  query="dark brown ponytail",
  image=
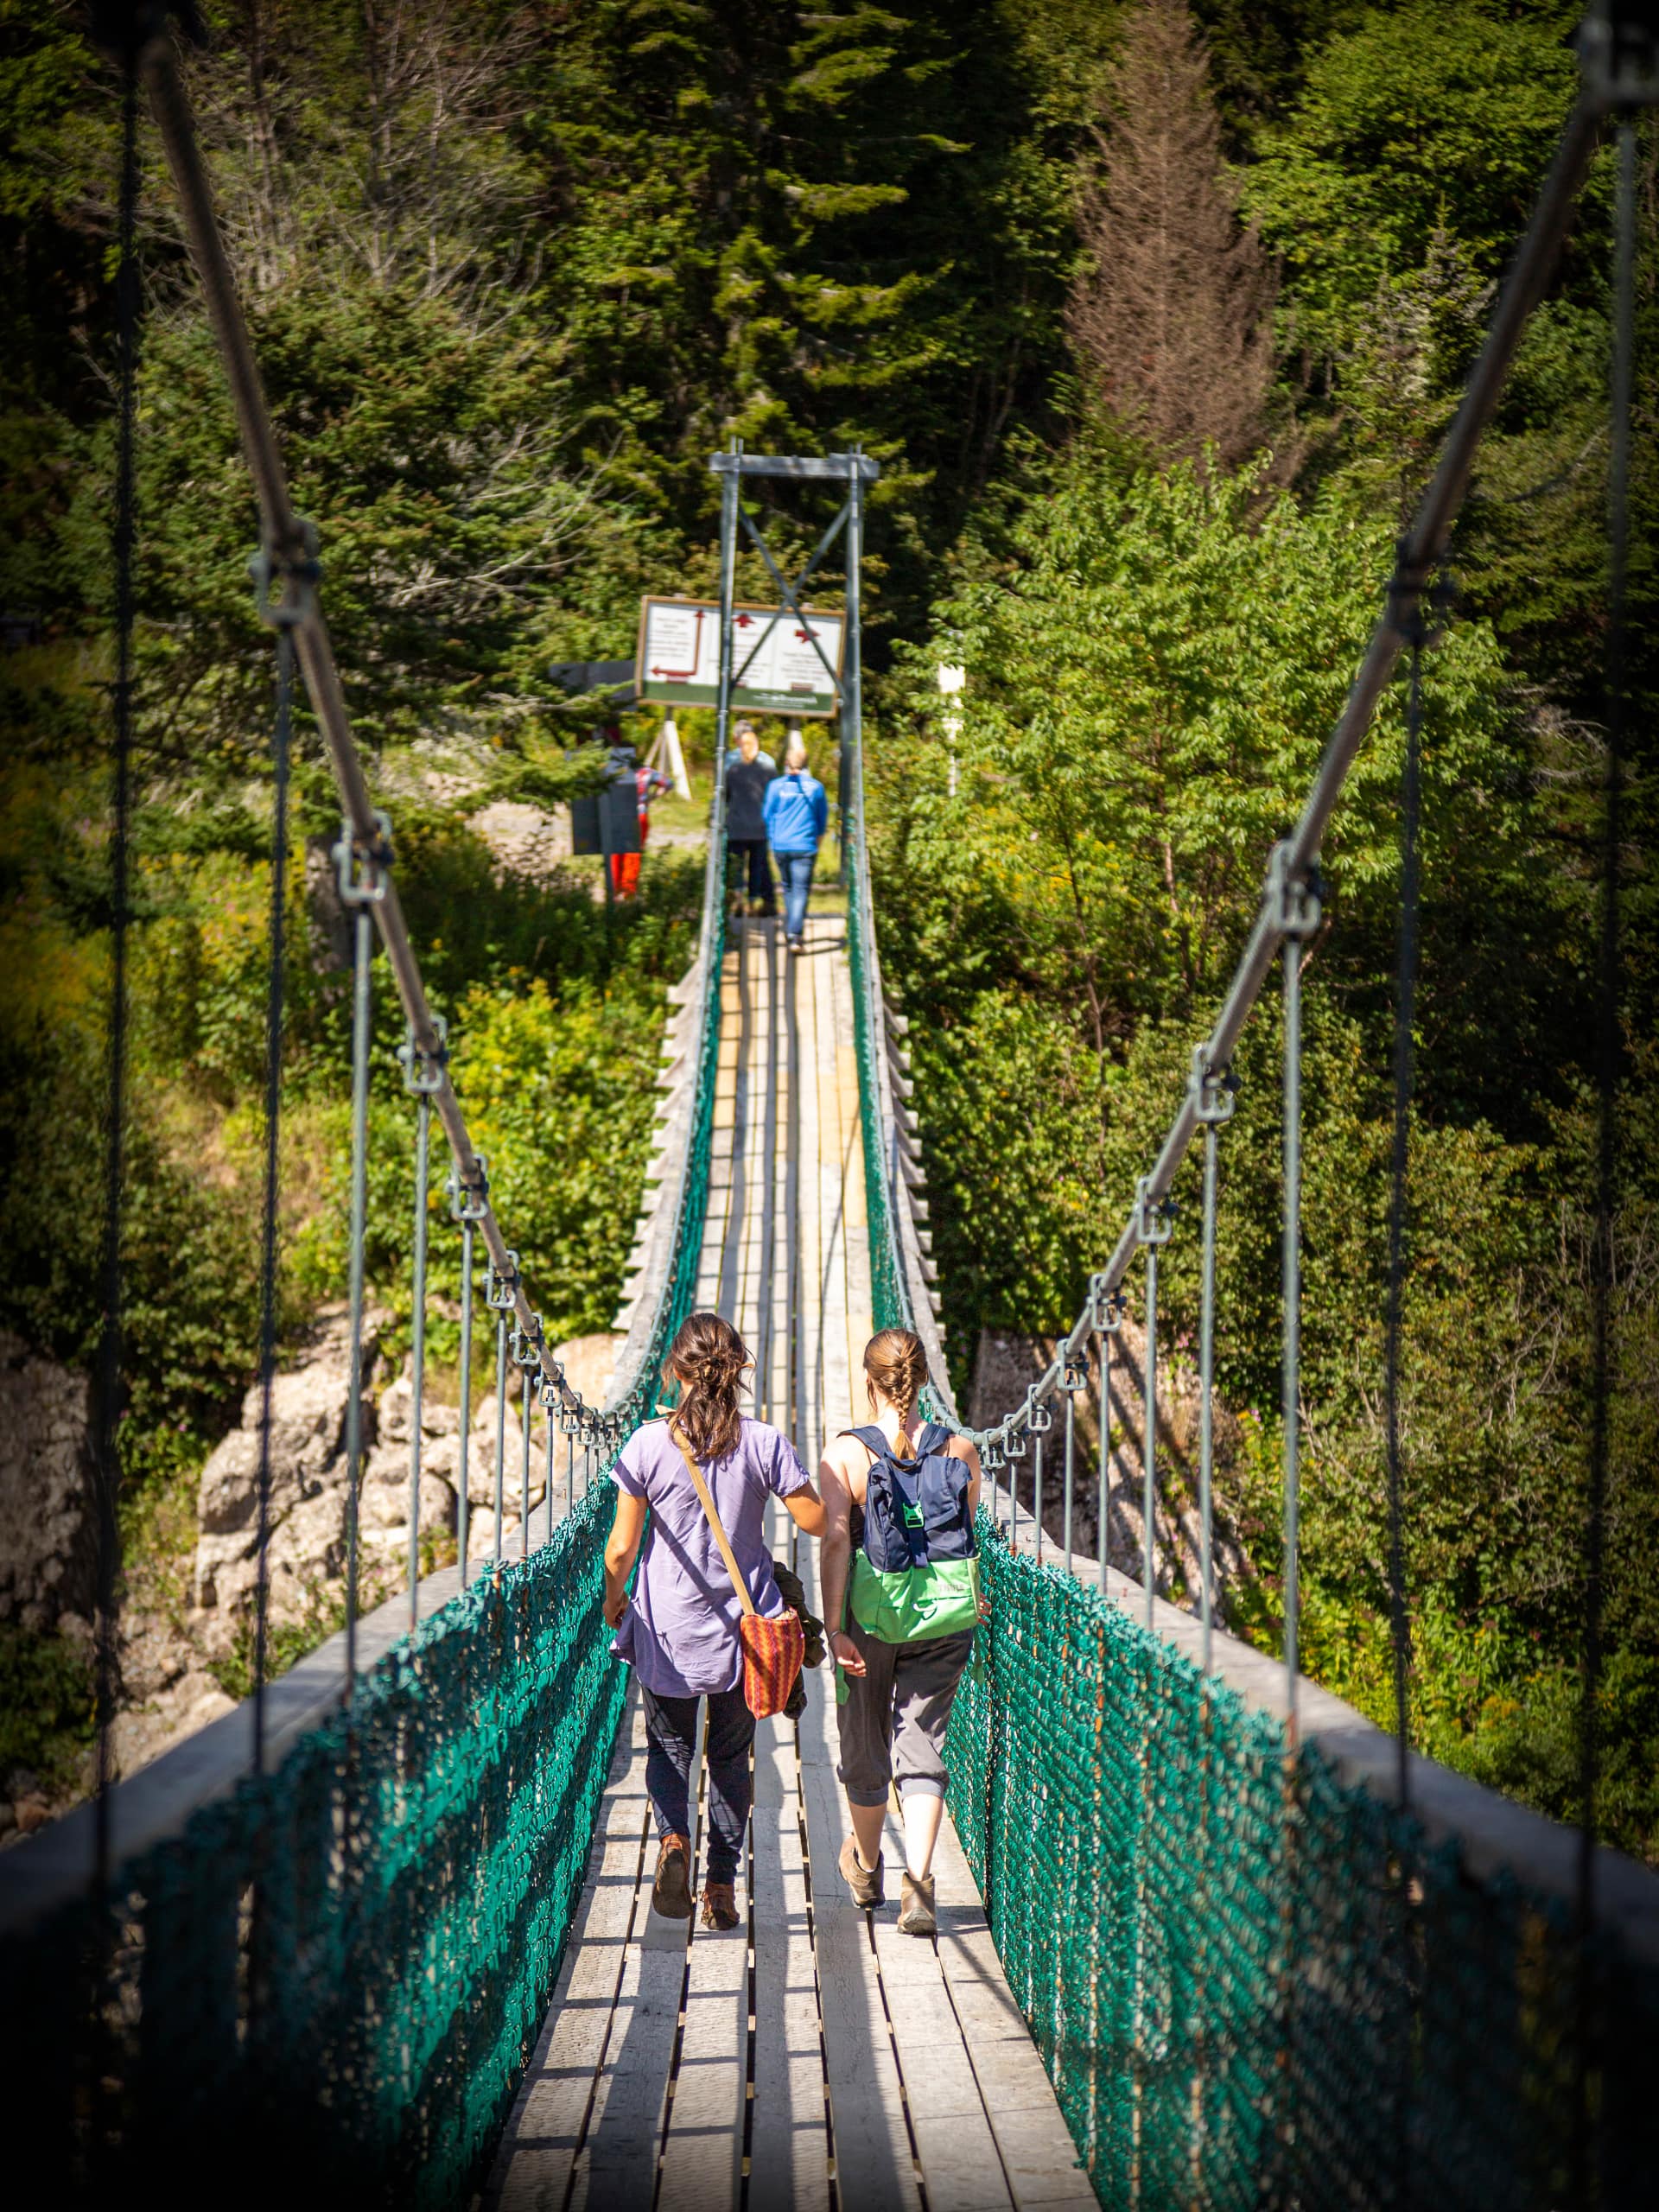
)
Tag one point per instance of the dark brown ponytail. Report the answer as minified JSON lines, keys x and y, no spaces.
{"x":708,"y":1359}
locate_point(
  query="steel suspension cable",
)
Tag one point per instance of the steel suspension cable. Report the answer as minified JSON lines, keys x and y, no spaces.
{"x":1404,"y":1005}
{"x":420,"y":1077}
{"x":1149,"y":1438}
{"x":1212,"y":1097}
{"x":1070,"y":1455}
{"x":1609,"y":1040}
{"x":1297,"y":918}
{"x":270,"y":1221}
{"x":1103,"y":1502}
{"x":1206,"y":1402}
{"x":1420,"y":546}
{"x":106,"y":1446}
{"x":290,"y":545}
{"x":359,"y":894}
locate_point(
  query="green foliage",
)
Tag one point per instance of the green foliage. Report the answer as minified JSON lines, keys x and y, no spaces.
{"x":287,"y":1642}
{"x":1421,"y":109}
{"x":45,"y":1707}
{"x":1153,"y":665}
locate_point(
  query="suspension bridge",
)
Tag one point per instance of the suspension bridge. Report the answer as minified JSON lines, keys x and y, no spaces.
{"x":1207,"y":1937}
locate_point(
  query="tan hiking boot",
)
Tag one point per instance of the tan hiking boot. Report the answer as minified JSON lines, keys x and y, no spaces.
{"x":916,"y":1913}
{"x":719,"y":1906}
{"x":864,"y":1882}
{"x":670,"y":1892}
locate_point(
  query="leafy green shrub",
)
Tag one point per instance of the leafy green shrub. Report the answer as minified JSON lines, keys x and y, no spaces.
{"x":45,"y":1705}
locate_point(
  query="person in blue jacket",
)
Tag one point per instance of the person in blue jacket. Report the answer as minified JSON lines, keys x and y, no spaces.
{"x":796,"y":811}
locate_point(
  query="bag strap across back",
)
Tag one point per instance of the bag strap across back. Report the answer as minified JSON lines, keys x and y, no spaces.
{"x":714,"y":1521}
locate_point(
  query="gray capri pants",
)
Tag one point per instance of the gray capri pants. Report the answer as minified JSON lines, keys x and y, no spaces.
{"x":892,"y":1724}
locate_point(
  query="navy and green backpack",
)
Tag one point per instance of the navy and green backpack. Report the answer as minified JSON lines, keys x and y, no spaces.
{"x":915,"y":1573}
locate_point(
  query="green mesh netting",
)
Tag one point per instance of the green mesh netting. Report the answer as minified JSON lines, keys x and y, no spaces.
{"x":332,"y":1979}
{"x":1252,"y":1984}
{"x":890,"y":1304}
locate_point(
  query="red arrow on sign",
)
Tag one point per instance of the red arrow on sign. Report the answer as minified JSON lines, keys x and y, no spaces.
{"x":685,"y":675}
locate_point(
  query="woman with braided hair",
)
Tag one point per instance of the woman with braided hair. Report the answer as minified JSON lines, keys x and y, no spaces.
{"x":678,"y":1631}
{"x":901,"y":1597}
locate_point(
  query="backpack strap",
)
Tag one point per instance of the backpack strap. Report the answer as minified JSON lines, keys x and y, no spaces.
{"x":873,"y":1439}
{"x":930,"y":1438}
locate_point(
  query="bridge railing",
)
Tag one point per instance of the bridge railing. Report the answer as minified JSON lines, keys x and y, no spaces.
{"x":332,"y":1962}
{"x":1269,"y":1957}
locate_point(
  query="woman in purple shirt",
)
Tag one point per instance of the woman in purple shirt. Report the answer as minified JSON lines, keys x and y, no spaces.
{"x":679,"y":1630}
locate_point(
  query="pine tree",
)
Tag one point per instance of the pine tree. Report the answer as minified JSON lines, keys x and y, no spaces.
{"x":1171,"y":313}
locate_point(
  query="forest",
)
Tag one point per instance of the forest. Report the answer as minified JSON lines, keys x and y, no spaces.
{"x":1154,"y":314}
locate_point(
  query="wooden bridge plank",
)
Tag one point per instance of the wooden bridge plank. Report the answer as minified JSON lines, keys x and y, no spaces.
{"x":789,"y":2155}
{"x":881,"y":2065}
{"x":702,"y":2147}
{"x":874,"y":2164}
{"x":618,"y":2161}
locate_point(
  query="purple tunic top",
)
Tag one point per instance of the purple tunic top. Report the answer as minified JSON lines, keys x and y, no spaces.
{"x":679,"y":1633}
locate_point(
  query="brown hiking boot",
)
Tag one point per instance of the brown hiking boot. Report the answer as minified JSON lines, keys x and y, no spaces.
{"x":865,"y":1882}
{"x":916,"y":1914}
{"x":671,"y":1893}
{"x":719,"y":1906}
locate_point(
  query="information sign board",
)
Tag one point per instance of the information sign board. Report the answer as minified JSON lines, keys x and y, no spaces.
{"x":777,"y":665}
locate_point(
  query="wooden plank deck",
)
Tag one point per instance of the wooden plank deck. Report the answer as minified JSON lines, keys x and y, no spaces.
{"x":813,"y":2059}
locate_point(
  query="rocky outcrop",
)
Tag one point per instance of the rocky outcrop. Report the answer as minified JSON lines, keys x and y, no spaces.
{"x":48,"y":1516}
{"x":306,"y":1548}
{"x":307,"y":1524}
{"x":1007,"y":1366}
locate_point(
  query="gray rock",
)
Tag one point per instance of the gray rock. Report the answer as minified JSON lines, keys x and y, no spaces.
{"x":307,"y":1526}
{"x":49,"y":1522}
{"x":395,"y":1403}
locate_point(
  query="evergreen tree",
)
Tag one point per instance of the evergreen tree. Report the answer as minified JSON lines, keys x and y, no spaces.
{"x":1171,"y":313}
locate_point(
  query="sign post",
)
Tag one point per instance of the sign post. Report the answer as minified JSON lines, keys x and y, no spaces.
{"x":780,"y":665}
{"x":798,"y":655}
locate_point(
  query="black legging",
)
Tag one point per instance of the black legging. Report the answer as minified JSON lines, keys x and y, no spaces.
{"x":759,"y":865}
{"x":671,"y":1754}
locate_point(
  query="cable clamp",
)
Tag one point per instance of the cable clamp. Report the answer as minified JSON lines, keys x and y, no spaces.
{"x":361,"y":868}
{"x":424,"y":1069}
{"x":1014,"y":1445}
{"x":1292,"y":907}
{"x":1620,"y":60}
{"x":469,"y":1196}
{"x":1074,"y":1375}
{"x":298,"y":574}
{"x":1154,"y":1219}
{"x":1214,"y":1090}
{"x":552,"y":1389}
{"x":1040,"y":1415}
{"x":570,"y":1417}
{"x":1106,"y":1308}
{"x":525,"y":1345}
{"x":1407,"y":589}
{"x":501,"y":1291}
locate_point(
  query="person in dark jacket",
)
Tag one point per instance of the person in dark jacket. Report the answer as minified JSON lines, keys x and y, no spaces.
{"x":734,"y":750}
{"x":797,"y":811}
{"x":747,"y":780}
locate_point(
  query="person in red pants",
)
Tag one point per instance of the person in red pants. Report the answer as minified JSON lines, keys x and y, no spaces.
{"x":625,"y":866}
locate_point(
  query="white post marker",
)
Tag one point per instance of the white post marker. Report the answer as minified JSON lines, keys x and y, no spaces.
{"x":951,"y":677}
{"x":674,"y":758}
